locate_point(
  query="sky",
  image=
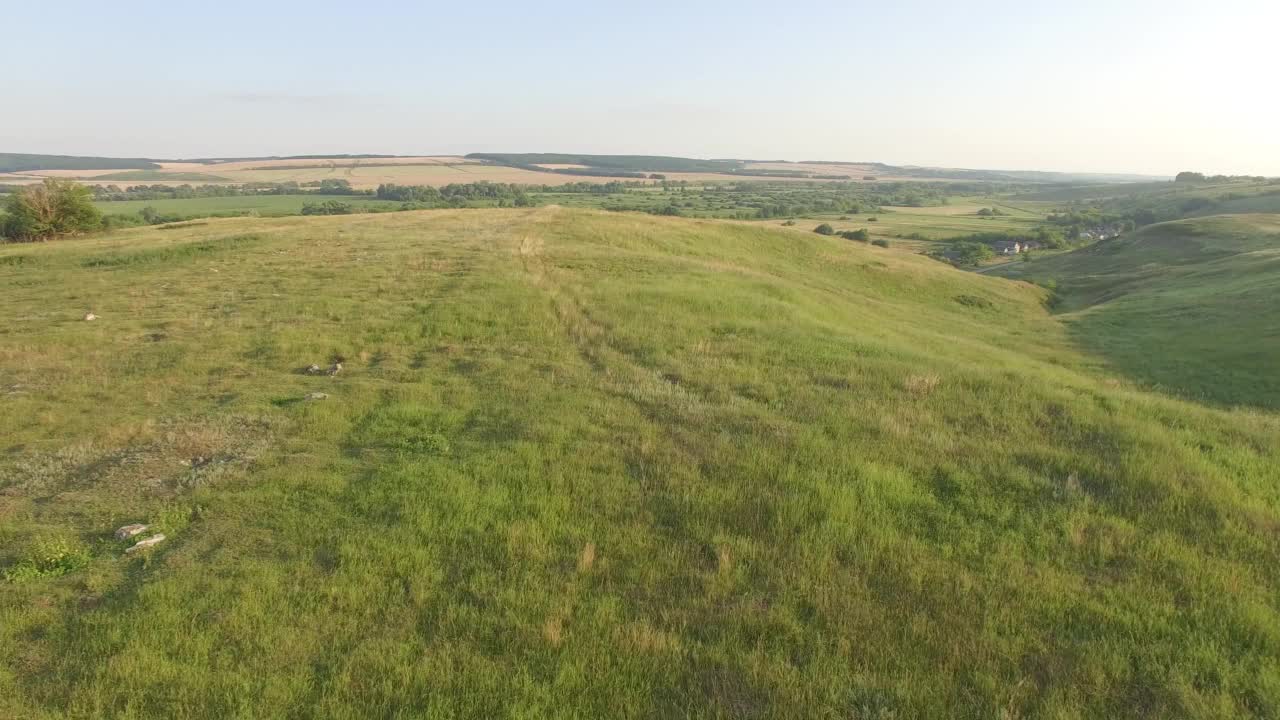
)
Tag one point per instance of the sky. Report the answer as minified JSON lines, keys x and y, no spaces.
{"x":1135,"y":86}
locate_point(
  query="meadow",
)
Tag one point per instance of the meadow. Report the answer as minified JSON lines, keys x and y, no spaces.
{"x":580,"y":464}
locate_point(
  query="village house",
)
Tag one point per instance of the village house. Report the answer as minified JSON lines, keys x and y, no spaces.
{"x":1100,"y":232}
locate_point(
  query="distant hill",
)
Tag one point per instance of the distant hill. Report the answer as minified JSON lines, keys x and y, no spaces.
{"x":21,"y":162}
{"x":628,"y":163}
{"x":1192,"y":305}
{"x":1029,"y":176}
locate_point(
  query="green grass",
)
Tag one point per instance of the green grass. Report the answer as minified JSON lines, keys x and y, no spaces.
{"x":920,"y":229}
{"x":1190,"y":306}
{"x":584,"y":465}
{"x":264,"y":205}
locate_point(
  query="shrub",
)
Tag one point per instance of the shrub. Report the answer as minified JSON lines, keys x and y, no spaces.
{"x":825,"y":229}
{"x":54,"y":207}
{"x":48,"y":558}
{"x":789,"y":223}
{"x":328,"y":207}
{"x":873,"y":219}
{"x":880,"y":243}
{"x":972,"y":253}
{"x":862,"y":235}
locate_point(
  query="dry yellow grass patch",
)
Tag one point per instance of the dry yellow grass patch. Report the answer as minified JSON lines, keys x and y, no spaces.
{"x":921,"y":385}
{"x":724,"y":559}
{"x":587,"y":559}
{"x":643,"y":637}
{"x":553,"y":631}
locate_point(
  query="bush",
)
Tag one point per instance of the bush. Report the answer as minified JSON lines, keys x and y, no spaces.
{"x":52,"y":208}
{"x":873,"y":219}
{"x":972,"y":253}
{"x":328,"y":207}
{"x":48,"y":558}
{"x":880,"y":243}
{"x":860,"y":235}
{"x":825,"y":229}
{"x":789,"y":223}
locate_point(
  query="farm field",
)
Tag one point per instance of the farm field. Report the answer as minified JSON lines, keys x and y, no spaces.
{"x":362,"y":173}
{"x":857,"y":172}
{"x":584,"y":464}
{"x":367,"y":173}
{"x":265,"y":205}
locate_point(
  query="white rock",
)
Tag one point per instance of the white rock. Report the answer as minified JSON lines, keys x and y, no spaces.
{"x":90,"y":316}
{"x":129,"y":531}
{"x":149,"y":542}
{"x":316,"y":396}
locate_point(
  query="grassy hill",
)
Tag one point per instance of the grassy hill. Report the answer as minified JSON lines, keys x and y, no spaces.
{"x":1190,"y":306}
{"x":580,"y":464}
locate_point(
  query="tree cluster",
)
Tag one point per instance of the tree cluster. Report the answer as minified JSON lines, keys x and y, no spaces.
{"x":51,"y":209}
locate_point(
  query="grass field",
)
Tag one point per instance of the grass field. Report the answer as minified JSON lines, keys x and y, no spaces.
{"x":1192,"y":306}
{"x":959,"y":217}
{"x":265,"y":205}
{"x":584,"y":465}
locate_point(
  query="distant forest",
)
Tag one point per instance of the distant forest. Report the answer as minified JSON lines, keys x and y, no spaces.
{"x":20,"y":162}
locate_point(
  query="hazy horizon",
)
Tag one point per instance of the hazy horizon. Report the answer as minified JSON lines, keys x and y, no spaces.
{"x":1129,"y":86}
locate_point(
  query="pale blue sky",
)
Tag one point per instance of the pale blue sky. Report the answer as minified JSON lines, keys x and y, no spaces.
{"x":1122,"y":85}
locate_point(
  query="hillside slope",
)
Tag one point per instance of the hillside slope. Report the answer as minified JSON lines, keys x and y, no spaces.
{"x":1191,"y":306}
{"x":585,"y":465}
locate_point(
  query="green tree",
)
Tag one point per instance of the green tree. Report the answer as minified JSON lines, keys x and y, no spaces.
{"x":52,"y":208}
{"x":972,"y":253}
